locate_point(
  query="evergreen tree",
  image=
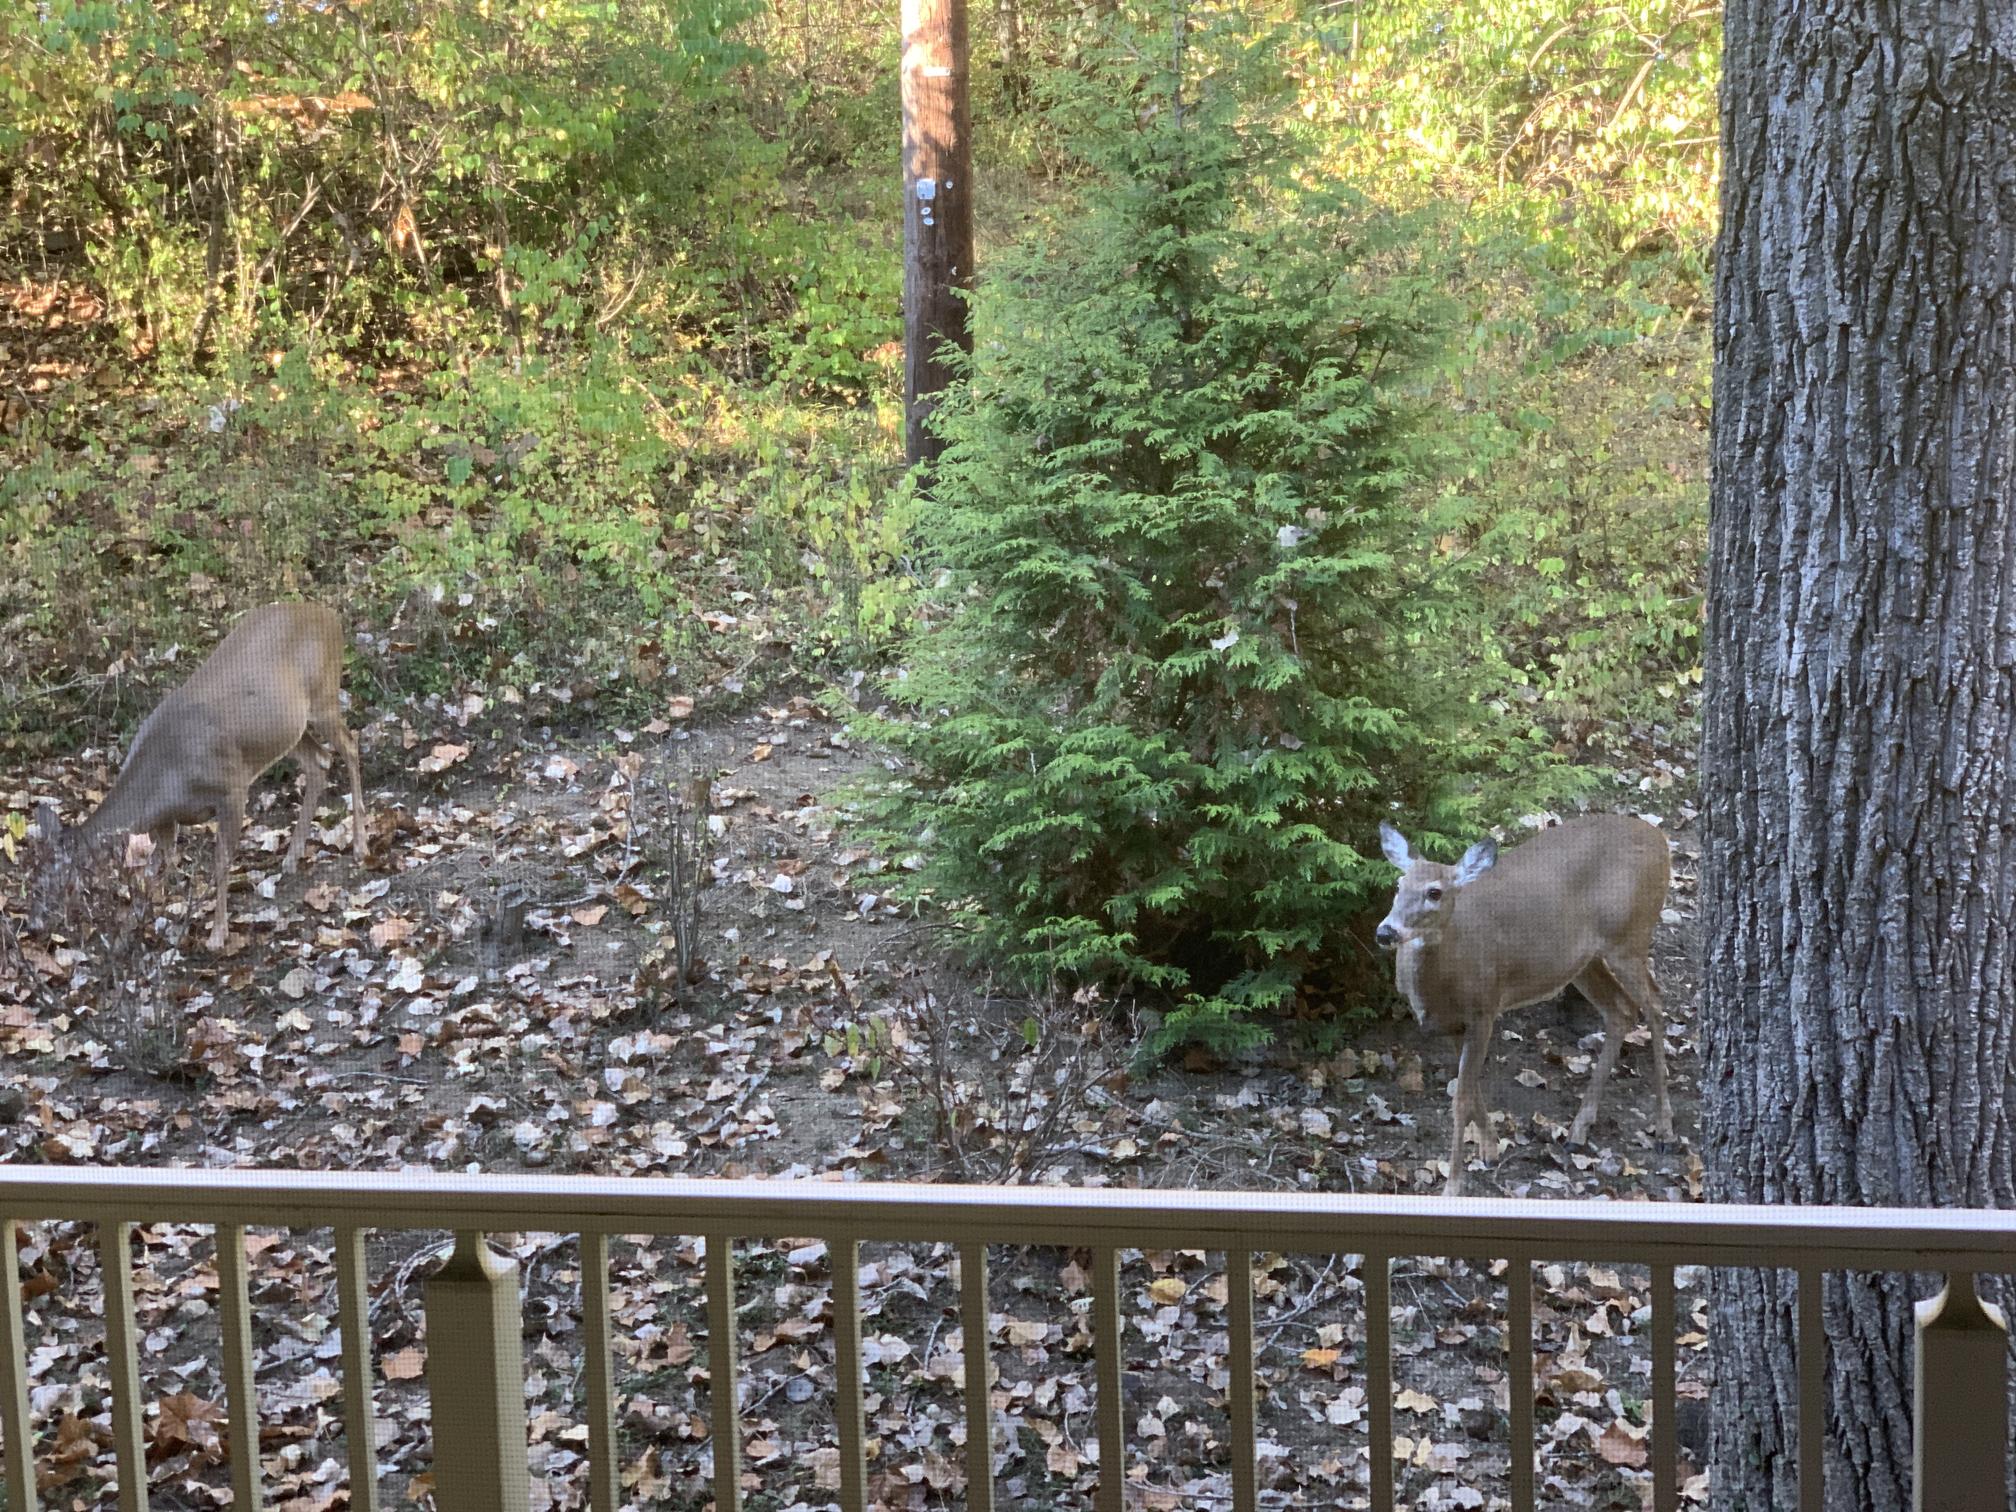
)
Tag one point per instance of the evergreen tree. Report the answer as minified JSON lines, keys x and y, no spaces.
{"x":1189,"y":646}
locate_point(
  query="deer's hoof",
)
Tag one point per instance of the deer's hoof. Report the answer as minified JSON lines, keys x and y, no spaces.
{"x":1578,"y":1132}
{"x":219,"y":941}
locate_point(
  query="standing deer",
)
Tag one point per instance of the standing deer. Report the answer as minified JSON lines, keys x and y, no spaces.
{"x":270,"y":689}
{"x":1576,"y":903}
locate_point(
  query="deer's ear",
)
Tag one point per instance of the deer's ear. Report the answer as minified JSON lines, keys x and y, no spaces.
{"x":1394,"y":844}
{"x":48,"y":822}
{"x":1476,"y":861}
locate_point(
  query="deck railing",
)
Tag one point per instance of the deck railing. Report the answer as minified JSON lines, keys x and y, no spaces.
{"x":474,"y":1327}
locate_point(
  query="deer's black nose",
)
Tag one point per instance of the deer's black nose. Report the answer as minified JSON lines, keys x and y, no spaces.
{"x":1387,"y":936}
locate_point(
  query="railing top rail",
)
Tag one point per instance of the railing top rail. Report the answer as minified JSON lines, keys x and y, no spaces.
{"x":1703,"y":1233}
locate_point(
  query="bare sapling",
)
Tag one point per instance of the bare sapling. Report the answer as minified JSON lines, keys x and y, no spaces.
{"x":1006,"y":1082}
{"x":1575,"y":904}
{"x":271,"y":689}
{"x":673,"y":808}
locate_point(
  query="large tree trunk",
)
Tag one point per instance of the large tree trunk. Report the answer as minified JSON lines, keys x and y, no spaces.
{"x":1859,"y":885}
{"x":937,"y":207}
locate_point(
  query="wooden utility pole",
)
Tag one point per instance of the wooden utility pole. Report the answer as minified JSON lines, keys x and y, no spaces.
{"x":937,"y":207}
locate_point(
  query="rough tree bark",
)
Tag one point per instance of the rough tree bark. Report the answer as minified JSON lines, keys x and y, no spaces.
{"x":937,"y":207}
{"x":1859,"y":883}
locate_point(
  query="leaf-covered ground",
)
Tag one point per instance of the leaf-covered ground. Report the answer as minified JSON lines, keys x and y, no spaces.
{"x":492,"y":992}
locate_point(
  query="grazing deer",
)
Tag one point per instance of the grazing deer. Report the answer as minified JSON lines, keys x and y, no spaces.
{"x":270,"y":689}
{"x":1576,"y":903}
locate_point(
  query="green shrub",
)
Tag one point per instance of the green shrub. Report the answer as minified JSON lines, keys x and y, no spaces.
{"x":1189,"y":644}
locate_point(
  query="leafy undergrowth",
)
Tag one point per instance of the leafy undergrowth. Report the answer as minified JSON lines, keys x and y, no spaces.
{"x":491,"y":992}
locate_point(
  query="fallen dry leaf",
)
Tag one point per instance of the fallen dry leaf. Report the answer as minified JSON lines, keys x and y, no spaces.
{"x":1623,"y":1444}
{"x":188,"y":1421}
{"x":442,"y":757}
{"x":406,"y":1365}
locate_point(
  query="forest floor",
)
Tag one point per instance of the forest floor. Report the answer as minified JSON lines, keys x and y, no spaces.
{"x":399,"y":1015}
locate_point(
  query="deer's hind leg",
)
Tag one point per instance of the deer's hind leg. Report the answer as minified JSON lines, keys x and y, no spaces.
{"x":1635,"y":978}
{"x":326,"y":725}
{"x":1599,"y":984}
{"x":314,"y":762}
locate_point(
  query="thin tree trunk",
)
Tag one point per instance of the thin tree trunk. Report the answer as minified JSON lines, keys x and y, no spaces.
{"x":937,"y":207}
{"x":1014,"y":64}
{"x":1859,"y":882}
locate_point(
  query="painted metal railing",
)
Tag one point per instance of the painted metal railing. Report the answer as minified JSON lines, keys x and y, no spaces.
{"x":474,"y":1327}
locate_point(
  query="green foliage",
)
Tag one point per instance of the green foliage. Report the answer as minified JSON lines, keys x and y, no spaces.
{"x":242,"y":173}
{"x":1598,"y":120}
{"x":660,"y":237}
{"x":830,"y":91}
{"x":800,"y":495}
{"x":513,"y":300}
{"x":1186,"y":651}
{"x":1579,"y":519}
{"x":510,"y":525}
{"x":846,"y":299}
{"x":1572,"y":155}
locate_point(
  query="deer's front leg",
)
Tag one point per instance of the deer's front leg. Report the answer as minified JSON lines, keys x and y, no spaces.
{"x":230,"y":815}
{"x":1468,"y":1100}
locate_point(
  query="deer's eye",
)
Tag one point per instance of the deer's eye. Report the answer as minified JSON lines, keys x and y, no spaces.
{"x":1434,"y":895}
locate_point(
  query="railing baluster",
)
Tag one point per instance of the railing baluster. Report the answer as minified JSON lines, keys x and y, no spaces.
{"x":846,"y":1256}
{"x":1112,"y":1379}
{"x":976,"y":1329}
{"x":597,"y":1383}
{"x":1243,"y":1366}
{"x":724,"y":1408}
{"x":114,"y":1241}
{"x":1379,"y":1376}
{"x":1812,"y":1394}
{"x":14,"y":1419}
{"x":1519,"y":1376}
{"x":1665,"y":1395}
{"x":360,"y":1417}
{"x":476,"y":1381}
{"x":1960,"y":1449}
{"x":241,"y":1393}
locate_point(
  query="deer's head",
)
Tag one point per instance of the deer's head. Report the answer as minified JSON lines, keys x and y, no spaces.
{"x":1426,"y":896}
